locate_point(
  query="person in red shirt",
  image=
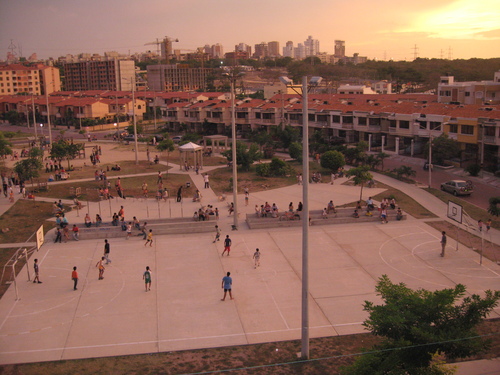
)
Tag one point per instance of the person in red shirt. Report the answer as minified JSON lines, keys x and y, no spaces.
{"x":74,"y":277}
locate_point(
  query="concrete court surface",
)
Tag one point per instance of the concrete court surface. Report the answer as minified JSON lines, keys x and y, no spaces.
{"x":115,"y":316}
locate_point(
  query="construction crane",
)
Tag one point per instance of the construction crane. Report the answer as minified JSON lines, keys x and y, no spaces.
{"x":166,"y":47}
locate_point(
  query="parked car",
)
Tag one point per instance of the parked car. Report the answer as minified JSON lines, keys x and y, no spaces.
{"x":457,"y":187}
{"x":177,"y":138}
{"x":130,"y":137}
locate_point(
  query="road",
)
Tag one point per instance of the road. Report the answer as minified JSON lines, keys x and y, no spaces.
{"x":484,"y":188}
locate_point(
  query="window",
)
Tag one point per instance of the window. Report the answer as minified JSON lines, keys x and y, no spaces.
{"x":404,"y":124}
{"x":374,"y":121}
{"x":489,"y":131}
{"x":257,"y":115}
{"x":467,"y":93}
{"x":435,"y":125}
{"x":347,"y":119}
{"x":336,"y":118}
{"x":361,"y":120}
{"x":453,"y":128}
{"x":467,"y":129}
{"x":392,"y":123}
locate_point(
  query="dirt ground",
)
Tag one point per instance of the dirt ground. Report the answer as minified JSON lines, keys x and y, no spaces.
{"x":327,"y":356}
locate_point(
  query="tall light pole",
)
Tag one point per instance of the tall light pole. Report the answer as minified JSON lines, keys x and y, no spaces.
{"x":132,"y":82}
{"x":48,"y":113}
{"x":232,"y":78}
{"x":314,"y":81}
{"x":430,"y":156}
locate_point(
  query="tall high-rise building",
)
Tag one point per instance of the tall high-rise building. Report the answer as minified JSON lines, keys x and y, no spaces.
{"x":339,"y":49}
{"x":242,"y":47}
{"x":261,"y":50}
{"x":288,"y":49}
{"x":217,"y":51}
{"x":312,"y":46}
{"x":299,"y":53}
{"x":274,"y":49}
{"x":100,"y":75}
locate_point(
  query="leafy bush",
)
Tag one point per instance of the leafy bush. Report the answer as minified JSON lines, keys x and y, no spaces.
{"x":278,"y":167}
{"x":263,"y":170}
{"x":295,"y":151}
{"x":473,"y":169}
{"x":332,"y":160}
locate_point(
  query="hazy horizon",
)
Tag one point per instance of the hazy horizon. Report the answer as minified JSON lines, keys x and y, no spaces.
{"x":383,"y":30}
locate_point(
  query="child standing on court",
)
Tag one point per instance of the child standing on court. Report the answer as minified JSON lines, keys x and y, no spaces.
{"x":147,"y":278}
{"x":256,"y":257}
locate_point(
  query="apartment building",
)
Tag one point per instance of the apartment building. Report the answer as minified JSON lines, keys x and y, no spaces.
{"x":37,"y":79}
{"x":177,"y":77}
{"x":100,"y":75}
{"x":402,"y":123}
{"x":474,"y":92}
{"x":274,"y":49}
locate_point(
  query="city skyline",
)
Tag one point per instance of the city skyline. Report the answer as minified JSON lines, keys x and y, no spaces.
{"x":383,"y":30}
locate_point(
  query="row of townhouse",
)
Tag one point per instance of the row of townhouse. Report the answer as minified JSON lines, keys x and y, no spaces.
{"x":400,"y":123}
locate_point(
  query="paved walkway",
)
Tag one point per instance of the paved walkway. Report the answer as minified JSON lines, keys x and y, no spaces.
{"x":115,"y":316}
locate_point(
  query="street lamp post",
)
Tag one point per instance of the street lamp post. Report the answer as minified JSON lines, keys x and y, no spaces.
{"x":232,"y":77}
{"x":430,"y":157}
{"x":132,"y":82}
{"x":48,"y":116}
{"x":314,"y":81}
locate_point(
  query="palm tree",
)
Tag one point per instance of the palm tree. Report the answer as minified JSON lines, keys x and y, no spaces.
{"x":381,"y":156}
{"x":361,"y":176}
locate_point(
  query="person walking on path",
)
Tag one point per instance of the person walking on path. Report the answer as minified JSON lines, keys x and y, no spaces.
{"x":227,"y":245}
{"x":256,"y":257}
{"x":443,"y":242}
{"x":58,"y":236}
{"x":480,"y":225}
{"x":217,"y":234}
{"x":100,"y":265}
{"x":179,"y":194}
{"x":488,"y":225}
{"x":205,"y":179}
{"x":106,"y":251}
{"x":227,"y":283}
{"x":74,"y":277}
{"x":76,"y":232}
{"x":147,"y":278}
{"x":129,"y":230}
{"x":150,"y":238}
{"x":247,"y":196}
{"x":37,"y":272}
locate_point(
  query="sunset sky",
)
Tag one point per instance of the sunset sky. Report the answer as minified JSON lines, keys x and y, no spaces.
{"x":383,"y":29}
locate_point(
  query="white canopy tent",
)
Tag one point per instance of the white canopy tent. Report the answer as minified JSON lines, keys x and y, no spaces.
{"x":197,"y":152}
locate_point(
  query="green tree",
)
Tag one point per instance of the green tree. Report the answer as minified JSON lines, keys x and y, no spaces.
{"x":28,"y":169}
{"x":261,"y":138}
{"x":360,"y":176}
{"x":130,"y":128}
{"x":381,"y":156}
{"x":166,"y":145}
{"x":189,"y":137}
{"x":287,"y":136}
{"x":332,"y":160}
{"x":245,"y":155}
{"x":5,"y":146}
{"x":443,"y":148}
{"x":295,"y":151}
{"x":416,"y":324}
{"x":62,"y":149}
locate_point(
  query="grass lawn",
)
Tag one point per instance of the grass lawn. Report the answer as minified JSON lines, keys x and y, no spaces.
{"x":407,"y":203}
{"x":472,"y":210}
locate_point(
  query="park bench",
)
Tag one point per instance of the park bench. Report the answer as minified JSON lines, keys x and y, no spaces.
{"x":159,"y":226}
{"x":342,"y":216}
